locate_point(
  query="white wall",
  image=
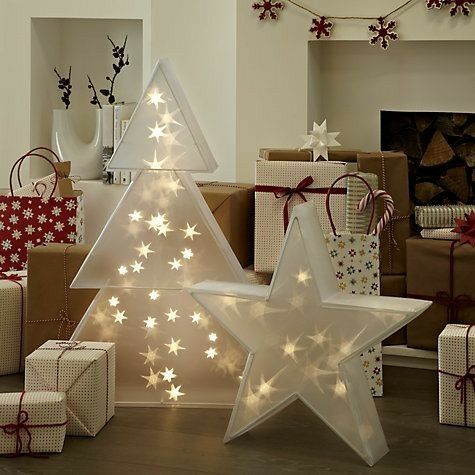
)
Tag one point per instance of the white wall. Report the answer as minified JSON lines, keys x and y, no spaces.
{"x":199,"y":37}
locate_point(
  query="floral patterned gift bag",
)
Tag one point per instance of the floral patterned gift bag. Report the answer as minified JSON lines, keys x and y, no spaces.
{"x":355,"y":259}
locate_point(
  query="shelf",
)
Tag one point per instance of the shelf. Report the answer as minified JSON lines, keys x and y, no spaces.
{"x":401,"y":355}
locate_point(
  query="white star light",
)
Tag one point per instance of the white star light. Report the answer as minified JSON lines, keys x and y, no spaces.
{"x":303,"y":276}
{"x":190,"y":231}
{"x":155,"y":98}
{"x":137,"y":267}
{"x":196,"y":317}
{"x":174,"y":347}
{"x":144,"y":250}
{"x":319,"y":140}
{"x":174,"y":186}
{"x":168,"y":375}
{"x":211,"y":353}
{"x":113,"y":301}
{"x":155,"y":164}
{"x":150,"y":356}
{"x":175,"y":264}
{"x":213,"y":337}
{"x":187,"y":253}
{"x":119,"y":317}
{"x":315,"y":373}
{"x":172,"y":315}
{"x":157,"y":132}
{"x":135,"y":216}
{"x":153,"y":379}
{"x":157,"y":221}
{"x":164,"y":229}
{"x":174,"y":392}
{"x":154,"y":295}
{"x":150,"y":322}
{"x":167,"y":118}
{"x":122,"y":270}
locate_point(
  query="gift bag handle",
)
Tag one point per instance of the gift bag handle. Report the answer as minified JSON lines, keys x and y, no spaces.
{"x":327,"y":201}
{"x":18,"y":164}
{"x":34,"y":150}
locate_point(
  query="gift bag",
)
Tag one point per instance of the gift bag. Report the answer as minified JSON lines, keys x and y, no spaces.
{"x":355,"y":259}
{"x":30,"y":221}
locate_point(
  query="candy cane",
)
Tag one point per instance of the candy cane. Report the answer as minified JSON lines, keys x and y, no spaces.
{"x":388,"y":208}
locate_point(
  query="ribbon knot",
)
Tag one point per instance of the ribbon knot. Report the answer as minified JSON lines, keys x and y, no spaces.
{"x":67,"y":323}
{"x":461,"y":383}
{"x":453,"y":304}
{"x":12,"y":277}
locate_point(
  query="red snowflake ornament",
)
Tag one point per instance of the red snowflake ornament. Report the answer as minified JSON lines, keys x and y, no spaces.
{"x":321,"y":27}
{"x":466,"y":229}
{"x":383,"y":32}
{"x":434,"y":4}
{"x":459,"y":6}
{"x":269,"y":9}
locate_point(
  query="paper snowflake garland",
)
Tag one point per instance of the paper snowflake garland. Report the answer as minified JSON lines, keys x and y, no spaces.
{"x":321,"y":27}
{"x":269,"y":9}
{"x":304,"y":338}
{"x":383,"y":32}
{"x":319,"y":140}
{"x":434,"y":4}
{"x":459,"y":6}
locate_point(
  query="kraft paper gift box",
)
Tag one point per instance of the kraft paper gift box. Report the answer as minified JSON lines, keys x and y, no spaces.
{"x":393,"y":177}
{"x":305,"y":155}
{"x":85,"y":371}
{"x":456,"y":372}
{"x":394,"y":286}
{"x":272,"y":211}
{"x":54,"y":309}
{"x":431,"y":267}
{"x":12,"y":315}
{"x":232,"y":205}
{"x":42,"y":416}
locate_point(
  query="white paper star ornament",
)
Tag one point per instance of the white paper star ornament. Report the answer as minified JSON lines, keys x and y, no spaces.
{"x":325,"y":373}
{"x":319,"y":140}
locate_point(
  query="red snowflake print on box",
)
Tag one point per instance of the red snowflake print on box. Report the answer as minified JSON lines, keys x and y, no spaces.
{"x":27,"y":222}
{"x":321,"y":27}
{"x":459,"y":6}
{"x":269,"y":9}
{"x":383,"y":32}
{"x":434,"y":4}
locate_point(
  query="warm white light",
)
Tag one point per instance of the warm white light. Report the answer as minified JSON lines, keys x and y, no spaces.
{"x":122,"y":270}
{"x":155,"y":98}
{"x":135,"y":216}
{"x":190,"y":231}
{"x":290,"y":348}
{"x":153,"y":379}
{"x":144,"y":250}
{"x":196,"y":317}
{"x":157,"y":221}
{"x":164,"y":229}
{"x":172,"y":315}
{"x":175,"y":264}
{"x":174,"y":186}
{"x":157,"y":132}
{"x":155,"y":164}
{"x":114,"y":301}
{"x":211,"y":352}
{"x":119,"y":317}
{"x":303,"y":276}
{"x":168,"y":375}
{"x":154,"y":294}
{"x":150,"y":322}
{"x":340,"y":389}
{"x":174,"y":392}
{"x":137,"y":267}
{"x":187,"y":253}
{"x":167,"y":117}
{"x":265,"y":389}
{"x":150,"y":356}
{"x":174,"y":347}
{"x":213,"y":337}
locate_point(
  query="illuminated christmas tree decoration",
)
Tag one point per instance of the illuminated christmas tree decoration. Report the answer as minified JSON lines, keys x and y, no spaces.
{"x":113,"y":301}
{"x":119,"y":316}
{"x":310,"y":352}
{"x":174,"y":392}
{"x":164,"y":237}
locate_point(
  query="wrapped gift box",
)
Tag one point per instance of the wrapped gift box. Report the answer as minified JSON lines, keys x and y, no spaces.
{"x":44,"y":408}
{"x":440,"y":233}
{"x":54,"y":309}
{"x":429,"y":277}
{"x":271,"y":211}
{"x":441,"y":216}
{"x":85,"y":371}
{"x":392,"y":171}
{"x":356,"y":221}
{"x":232,"y":205}
{"x":12,"y":315}
{"x":305,"y":155}
{"x":394,"y":286}
{"x":456,"y":357}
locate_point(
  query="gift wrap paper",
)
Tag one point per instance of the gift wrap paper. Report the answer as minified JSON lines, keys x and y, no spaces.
{"x":86,"y":373}
{"x":305,"y":155}
{"x":428,"y":272}
{"x":441,"y":233}
{"x":11,"y":323}
{"x":452,"y":359}
{"x":356,"y":221}
{"x":441,"y":216}
{"x":43,"y":408}
{"x":269,"y":209}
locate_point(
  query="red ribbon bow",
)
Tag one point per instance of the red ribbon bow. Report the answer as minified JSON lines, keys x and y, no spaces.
{"x":453,"y":304}
{"x":461,"y":383}
{"x":12,"y":277}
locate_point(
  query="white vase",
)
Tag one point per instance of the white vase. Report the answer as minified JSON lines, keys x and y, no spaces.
{"x":85,"y":158}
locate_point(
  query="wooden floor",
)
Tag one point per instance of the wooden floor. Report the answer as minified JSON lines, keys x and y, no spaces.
{"x":162,"y":441}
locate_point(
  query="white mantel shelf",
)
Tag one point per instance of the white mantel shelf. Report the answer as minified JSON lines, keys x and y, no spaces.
{"x":401,"y":355}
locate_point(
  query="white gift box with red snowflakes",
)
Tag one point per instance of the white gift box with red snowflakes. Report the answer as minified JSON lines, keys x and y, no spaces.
{"x":355,"y":259}
{"x":27,"y":222}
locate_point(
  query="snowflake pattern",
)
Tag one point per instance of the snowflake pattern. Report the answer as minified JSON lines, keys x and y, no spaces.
{"x":269,"y":9}
{"x":382,"y":32}
{"x":459,"y":6}
{"x":321,"y":27}
{"x":434,"y":4}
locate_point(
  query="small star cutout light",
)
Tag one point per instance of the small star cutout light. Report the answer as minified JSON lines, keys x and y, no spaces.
{"x":152,"y":379}
{"x":174,"y":392}
{"x":144,"y":250}
{"x":119,"y":316}
{"x":190,"y":231}
{"x":174,"y":347}
{"x":175,"y":264}
{"x":113,"y":301}
{"x":122,"y":270}
{"x":319,"y":140}
{"x":172,"y":315}
{"x":168,"y":375}
{"x":156,"y":132}
{"x":157,"y":221}
{"x":213,"y":337}
{"x":325,"y":373}
{"x":196,"y":317}
{"x":135,"y":216}
{"x":154,"y":295}
{"x":211,"y":353}
{"x":150,"y":356}
{"x":150,"y":322}
{"x":137,"y":267}
{"x":155,"y":98}
{"x":187,"y":254}
{"x":155,"y":164}
{"x":164,"y":229}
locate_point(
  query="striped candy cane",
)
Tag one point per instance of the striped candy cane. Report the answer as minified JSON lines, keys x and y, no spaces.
{"x":388,"y":208}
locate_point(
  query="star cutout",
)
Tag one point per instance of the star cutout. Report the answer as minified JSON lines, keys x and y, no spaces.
{"x":187,"y":254}
{"x":174,"y":392}
{"x":174,"y":186}
{"x":190,"y":231}
{"x":303,"y":277}
{"x":135,"y":216}
{"x":153,"y":379}
{"x":196,"y":317}
{"x":168,"y":375}
{"x":319,"y":140}
{"x":155,"y":98}
{"x":154,"y":295}
{"x":150,"y":322}
{"x":157,"y":221}
{"x":122,"y":270}
{"x":174,"y":347}
{"x":151,"y":356}
{"x":155,"y":164}
{"x":137,"y":267}
{"x":175,"y":264}
{"x":164,"y":229}
{"x":172,"y":315}
{"x":167,"y":117}
{"x":357,"y":322}
{"x":119,"y":316}
{"x":144,"y":250}
{"x":114,"y":301}
{"x":157,"y":132}
{"x":213,"y":337}
{"x":211,"y":353}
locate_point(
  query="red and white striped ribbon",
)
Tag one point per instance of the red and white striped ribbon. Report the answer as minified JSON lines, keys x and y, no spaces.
{"x":388,"y":208}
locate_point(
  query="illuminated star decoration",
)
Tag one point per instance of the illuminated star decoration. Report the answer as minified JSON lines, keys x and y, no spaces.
{"x":157,"y":221}
{"x":211,"y":353}
{"x":155,"y":98}
{"x":114,"y":301}
{"x":122,"y":270}
{"x":135,"y":216}
{"x":213,"y":337}
{"x":187,"y":254}
{"x":119,"y":316}
{"x":319,"y":140}
{"x":168,"y":375}
{"x":175,"y":264}
{"x":144,"y":250}
{"x":195,"y":318}
{"x":151,"y":356}
{"x":156,"y":132}
{"x":172,"y":315}
{"x":190,"y":231}
{"x":150,"y":322}
{"x":155,"y":164}
{"x":137,"y":267}
{"x":154,"y":295}
{"x":174,"y":392}
{"x":152,"y":379}
{"x":174,"y":347}
{"x":168,"y":118}
{"x":351,"y":324}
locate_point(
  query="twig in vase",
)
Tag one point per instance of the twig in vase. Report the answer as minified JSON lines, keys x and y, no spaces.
{"x":118,"y":52}
{"x":64,"y":84}
{"x":95,"y":100}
